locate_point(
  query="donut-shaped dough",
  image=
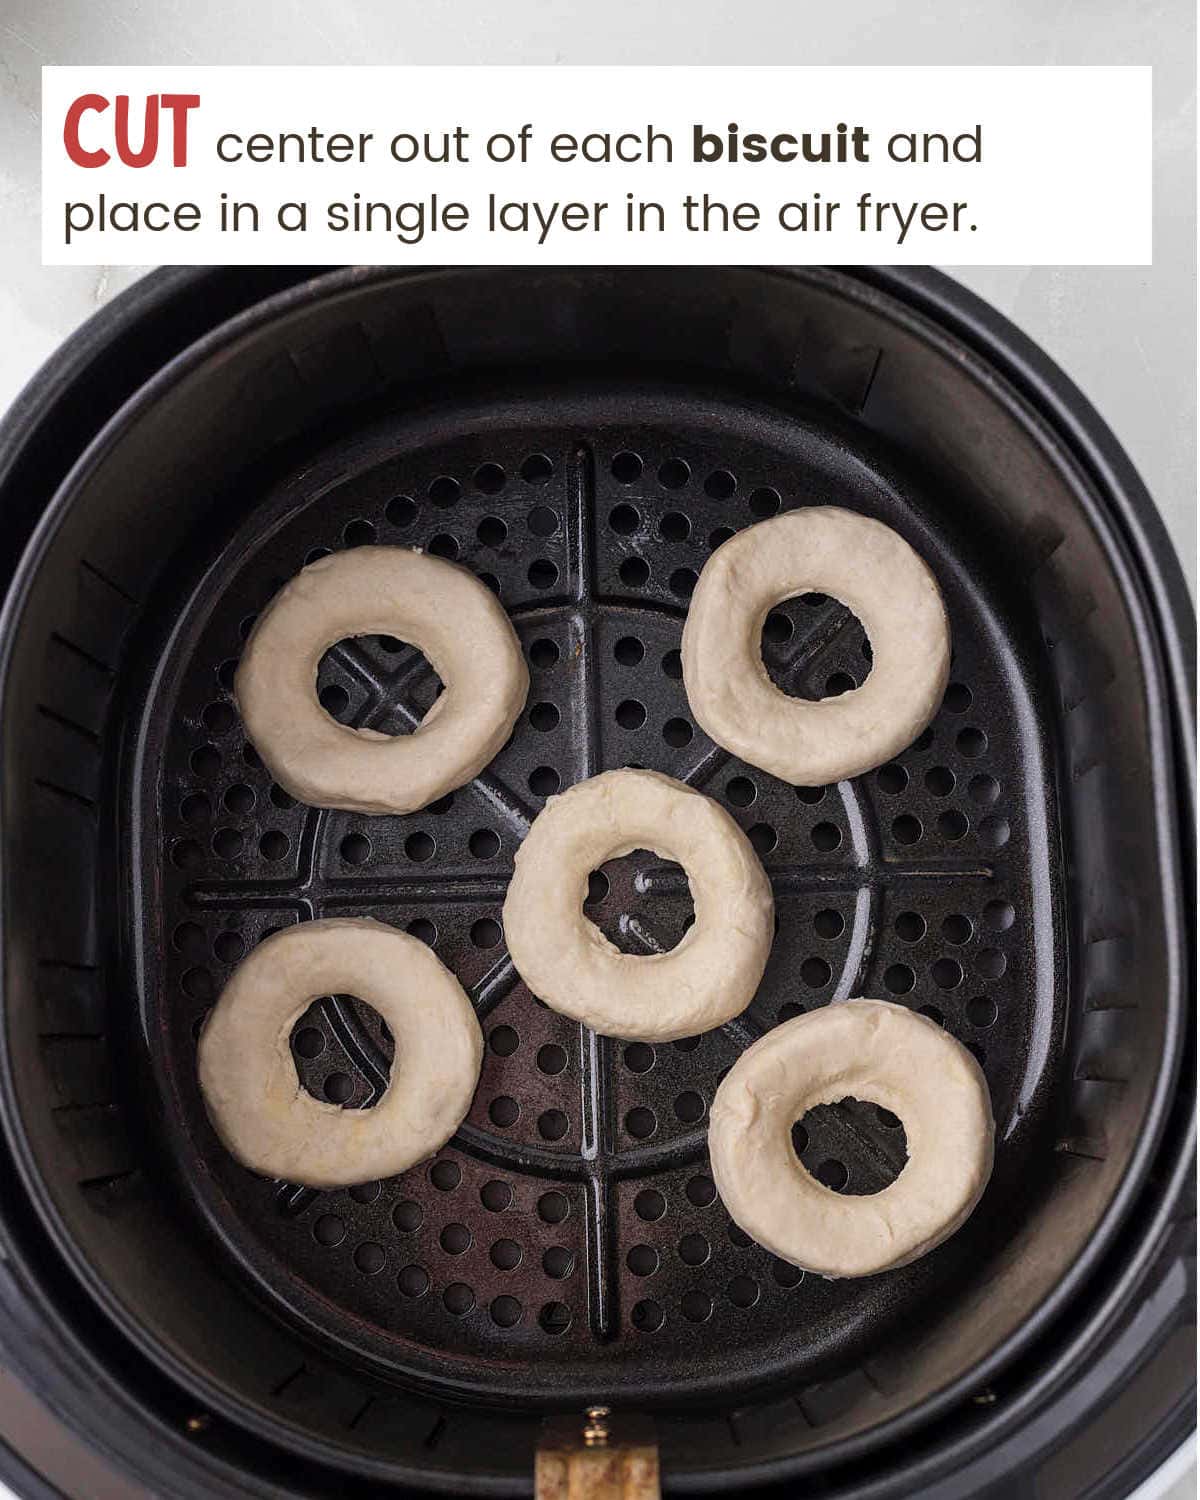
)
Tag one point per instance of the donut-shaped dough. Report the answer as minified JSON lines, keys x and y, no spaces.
{"x":868,"y":567}
{"x":248,"y":1075}
{"x":863,"y":1049}
{"x":714,"y":970}
{"x":425,"y":601}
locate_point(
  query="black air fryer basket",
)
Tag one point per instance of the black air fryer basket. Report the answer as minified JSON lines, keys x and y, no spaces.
{"x":583,"y":440}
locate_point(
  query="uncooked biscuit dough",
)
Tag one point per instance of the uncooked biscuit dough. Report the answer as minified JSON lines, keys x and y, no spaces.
{"x":255,"y":1100}
{"x":707,"y":978}
{"x":862,"y":1049}
{"x":425,"y":601}
{"x":866,"y":566}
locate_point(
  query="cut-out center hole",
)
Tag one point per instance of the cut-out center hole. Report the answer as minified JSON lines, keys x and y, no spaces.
{"x":641,"y":902}
{"x":814,"y":648}
{"x":855,"y":1147}
{"x":342,"y":695}
{"x":343,"y":1051}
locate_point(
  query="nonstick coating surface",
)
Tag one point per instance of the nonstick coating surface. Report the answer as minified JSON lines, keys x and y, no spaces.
{"x":568,"y":1243}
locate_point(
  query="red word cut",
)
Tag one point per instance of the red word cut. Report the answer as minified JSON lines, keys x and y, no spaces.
{"x":177,"y":105}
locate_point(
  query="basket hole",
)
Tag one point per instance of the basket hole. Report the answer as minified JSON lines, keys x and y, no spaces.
{"x":484,"y":843}
{"x":981,"y":1011}
{"x":677,"y":733}
{"x":413,"y":1281}
{"x":634,"y":572}
{"x":358,"y":533}
{"x":910,"y":926}
{"x":553,"y":1125}
{"x":355,"y":848}
{"x":329,"y":1230}
{"x":543,"y":654}
{"x":486,"y":933}
{"x":990,"y":963}
{"x":445,"y":1175}
{"x":542,"y":521}
{"x":741,"y":791}
{"x":906,"y":829}
{"x":719,"y":536}
{"x":505,"y":1312}
{"x":544,"y":717}
{"x":939,"y":780}
{"x":227,"y":843}
{"x":815,"y":972}
{"x":626,"y":468}
{"x":951,"y":824}
{"x":419,"y":847}
{"x":673,"y":474}
{"x":826,"y":837}
{"x":899,"y":979}
{"x":544,"y":781}
{"x":458,"y":1298}
{"x":672,"y":665}
{"x":971,"y":743}
{"x":786,"y":1275}
{"x":650,"y":1205}
{"x":675,"y":527}
{"x":720,"y":485}
{"x":551,"y":1059}
{"x":504,"y":1041}
{"x":694,"y":1250}
{"x":983,"y":790}
{"x":543,"y":574}
{"x":811,"y":795}
{"x":308,"y":1042}
{"x":196,"y":808}
{"x":491,"y":531}
{"x":958,"y":698}
{"x":401,"y":511}
{"x":647,"y":1316}
{"x":957,"y":929}
{"x":444,"y":491}
{"x":700,"y":1191}
{"x":624,"y":519}
{"x":763,"y":837}
{"x":455,"y":1239}
{"x":538,"y":468}
{"x":683,"y":581}
{"x":496,"y":1196}
{"x":931,"y":1013}
{"x":504,"y":1111}
{"x":696,"y":1306}
{"x":229,"y":946}
{"x":764,"y":503}
{"x":489,"y":479}
{"x":629,"y":651}
{"x":555,"y":1318}
{"x":995,"y":832}
{"x":947,"y":973}
{"x":689,"y":1107}
{"x":892,"y":779}
{"x":558,"y":1262}
{"x":742,"y":1291}
{"x":829,"y":924}
{"x":370,"y":1258}
{"x":639,"y":1057}
{"x":553,"y":1207}
{"x":339,"y":1088}
{"x":423,"y":930}
{"x":999,"y":916}
{"x":642,"y":1260}
{"x":641,"y":1123}
{"x":408,"y":1216}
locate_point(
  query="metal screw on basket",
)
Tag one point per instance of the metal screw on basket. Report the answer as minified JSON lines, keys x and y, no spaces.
{"x":595,"y":1434}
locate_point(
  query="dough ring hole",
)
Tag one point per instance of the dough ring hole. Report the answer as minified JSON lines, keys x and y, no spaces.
{"x":854,"y":1146}
{"x":341,"y":693}
{"x":815,"y":648}
{"x":327,"y":1068}
{"x":641,"y":902}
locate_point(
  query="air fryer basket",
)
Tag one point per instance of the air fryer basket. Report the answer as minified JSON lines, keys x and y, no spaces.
{"x":582,"y":440}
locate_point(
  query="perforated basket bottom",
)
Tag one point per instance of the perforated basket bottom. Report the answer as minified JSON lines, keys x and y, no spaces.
{"x":569,"y":1242}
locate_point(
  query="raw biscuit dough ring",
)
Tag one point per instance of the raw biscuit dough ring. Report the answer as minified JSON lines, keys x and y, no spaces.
{"x":425,"y":601}
{"x":865,"y":1049}
{"x":712,"y":973}
{"x":866,"y":566}
{"x":256,"y":1102}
